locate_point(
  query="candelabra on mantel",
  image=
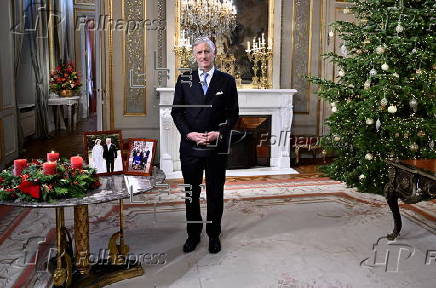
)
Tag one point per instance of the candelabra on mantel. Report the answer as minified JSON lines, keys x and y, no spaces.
{"x":260,"y":53}
{"x":183,"y":51}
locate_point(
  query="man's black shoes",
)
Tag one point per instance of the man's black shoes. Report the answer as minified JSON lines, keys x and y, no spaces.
{"x":214,"y":245}
{"x":190,"y":244}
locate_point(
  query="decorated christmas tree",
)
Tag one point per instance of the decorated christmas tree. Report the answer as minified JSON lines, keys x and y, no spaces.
{"x":383,"y":98}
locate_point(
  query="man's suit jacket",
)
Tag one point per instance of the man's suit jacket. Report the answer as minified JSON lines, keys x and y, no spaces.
{"x":111,"y":153}
{"x":221,"y":116}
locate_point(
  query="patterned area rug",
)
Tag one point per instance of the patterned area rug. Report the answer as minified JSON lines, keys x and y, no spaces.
{"x":298,"y":232}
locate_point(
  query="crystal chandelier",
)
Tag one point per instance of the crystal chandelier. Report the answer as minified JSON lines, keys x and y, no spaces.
{"x":207,"y":17}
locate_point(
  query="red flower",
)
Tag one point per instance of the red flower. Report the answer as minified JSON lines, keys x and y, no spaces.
{"x":30,"y":188}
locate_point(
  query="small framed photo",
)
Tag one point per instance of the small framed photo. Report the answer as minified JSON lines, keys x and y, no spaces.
{"x":103,"y":151}
{"x":141,"y":155}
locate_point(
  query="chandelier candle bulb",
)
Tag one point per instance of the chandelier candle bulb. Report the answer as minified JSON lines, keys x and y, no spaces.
{"x":52,"y":157}
{"x":49,"y":168}
{"x":76,"y":162}
{"x":19,"y":165}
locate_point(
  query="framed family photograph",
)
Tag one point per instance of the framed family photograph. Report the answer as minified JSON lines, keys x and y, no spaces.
{"x":141,"y":155}
{"x":103,"y":151}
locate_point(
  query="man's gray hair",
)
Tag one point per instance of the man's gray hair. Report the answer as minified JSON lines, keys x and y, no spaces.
{"x":204,"y":40}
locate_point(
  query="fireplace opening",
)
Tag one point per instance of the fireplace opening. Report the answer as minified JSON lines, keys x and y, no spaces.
{"x":252,"y":150}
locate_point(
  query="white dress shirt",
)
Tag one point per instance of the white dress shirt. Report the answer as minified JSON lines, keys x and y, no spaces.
{"x":210,"y":72}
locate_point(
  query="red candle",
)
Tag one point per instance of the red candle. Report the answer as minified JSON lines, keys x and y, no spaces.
{"x":52,"y":157}
{"x":49,"y":168}
{"x":19,"y":165}
{"x":76,"y":162}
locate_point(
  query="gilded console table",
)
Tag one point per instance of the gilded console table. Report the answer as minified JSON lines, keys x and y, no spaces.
{"x":412,"y":181}
{"x":71,"y":267}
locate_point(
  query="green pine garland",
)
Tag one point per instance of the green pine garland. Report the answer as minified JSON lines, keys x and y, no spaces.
{"x":383,"y":101}
{"x":67,"y":183}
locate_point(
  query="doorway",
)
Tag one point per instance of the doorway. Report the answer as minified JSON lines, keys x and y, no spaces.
{"x":86,"y":62}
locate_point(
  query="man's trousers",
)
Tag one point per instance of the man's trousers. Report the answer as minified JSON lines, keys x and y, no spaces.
{"x":215,"y":172}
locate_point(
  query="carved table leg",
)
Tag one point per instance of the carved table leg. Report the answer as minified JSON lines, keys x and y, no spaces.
{"x":81,"y":238}
{"x":63,"y":274}
{"x":392,"y":199}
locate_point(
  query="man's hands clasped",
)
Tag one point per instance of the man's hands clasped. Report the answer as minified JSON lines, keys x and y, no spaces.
{"x":203,"y":138}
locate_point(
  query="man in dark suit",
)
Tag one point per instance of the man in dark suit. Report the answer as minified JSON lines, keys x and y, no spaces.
{"x":205,"y":139}
{"x":109,"y":154}
{"x":145,"y":155}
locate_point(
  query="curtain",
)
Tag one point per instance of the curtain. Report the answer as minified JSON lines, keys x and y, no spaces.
{"x":18,"y":34}
{"x":64,"y":30}
{"x":36,"y":21}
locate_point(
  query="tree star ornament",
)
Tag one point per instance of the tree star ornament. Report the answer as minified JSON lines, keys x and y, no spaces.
{"x":392,"y":109}
{"x":385,"y":67}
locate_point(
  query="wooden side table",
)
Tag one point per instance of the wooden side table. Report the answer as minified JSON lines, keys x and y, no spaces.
{"x":412,"y":181}
{"x":69,"y":103}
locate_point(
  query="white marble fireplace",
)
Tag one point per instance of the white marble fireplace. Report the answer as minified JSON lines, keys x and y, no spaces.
{"x":274,"y":102}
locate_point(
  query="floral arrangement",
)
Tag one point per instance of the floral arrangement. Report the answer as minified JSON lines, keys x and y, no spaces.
{"x":33,"y":185}
{"x":64,"y":78}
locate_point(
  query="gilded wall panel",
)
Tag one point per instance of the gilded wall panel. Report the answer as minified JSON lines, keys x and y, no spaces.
{"x":134,"y":16}
{"x":301,"y":50}
{"x":84,"y":2}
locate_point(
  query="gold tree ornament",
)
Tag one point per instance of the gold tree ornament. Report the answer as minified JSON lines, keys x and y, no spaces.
{"x":369,"y":121}
{"x":380,"y":50}
{"x":369,"y":156}
{"x":399,"y":28}
{"x":414,"y":147}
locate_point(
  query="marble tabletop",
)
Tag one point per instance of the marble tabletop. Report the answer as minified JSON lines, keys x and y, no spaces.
{"x":112,"y":188}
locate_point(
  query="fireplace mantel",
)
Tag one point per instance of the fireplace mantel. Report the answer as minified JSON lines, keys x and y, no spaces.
{"x":274,"y":102}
